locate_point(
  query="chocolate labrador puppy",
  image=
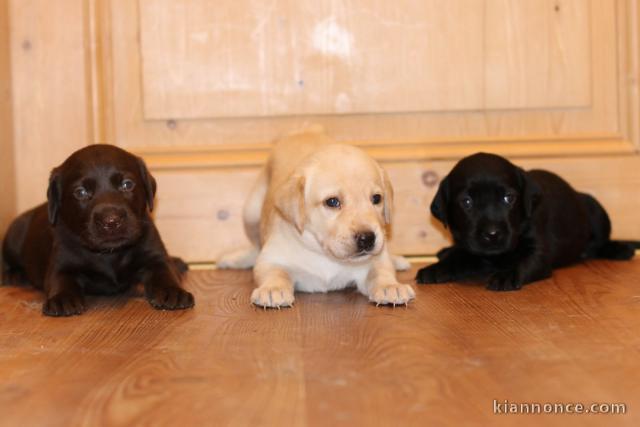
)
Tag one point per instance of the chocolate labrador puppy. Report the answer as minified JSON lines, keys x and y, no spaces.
{"x":95,"y":235}
{"x":512,"y":227}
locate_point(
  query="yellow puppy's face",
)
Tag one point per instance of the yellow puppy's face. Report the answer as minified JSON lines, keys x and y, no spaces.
{"x":343,"y":198}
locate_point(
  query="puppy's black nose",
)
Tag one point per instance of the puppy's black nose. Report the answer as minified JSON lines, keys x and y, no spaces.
{"x":110,"y":219}
{"x":491,"y":234}
{"x":365,"y":241}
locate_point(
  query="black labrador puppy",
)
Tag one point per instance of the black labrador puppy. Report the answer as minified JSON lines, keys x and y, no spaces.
{"x":95,"y":235}
{"x":512,"y":227}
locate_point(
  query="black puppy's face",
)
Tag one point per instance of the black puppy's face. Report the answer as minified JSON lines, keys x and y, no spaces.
{"x":101,"y":194}
{"x":486,"y":201}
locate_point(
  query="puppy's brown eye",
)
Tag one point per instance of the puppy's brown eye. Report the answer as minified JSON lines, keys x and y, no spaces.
{"x":332,"y":202}
{"x":81,"y":193}
{"x":509,"y":198}
{"x":466,"y":202}
{"x":127,"y":185}
{"x":376,"y":199}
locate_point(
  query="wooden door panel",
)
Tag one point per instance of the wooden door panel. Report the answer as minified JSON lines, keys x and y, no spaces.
{"x":208,"y":58}
{"x":204,"y":58}
{"x":557,"y":97}
{"x":537,"y":54}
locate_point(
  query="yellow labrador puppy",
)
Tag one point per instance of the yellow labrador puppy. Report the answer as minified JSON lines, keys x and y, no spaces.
{"x":317,"y":218}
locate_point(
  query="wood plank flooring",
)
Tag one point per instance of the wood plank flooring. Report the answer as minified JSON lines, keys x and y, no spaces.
{"x":334,"y":359}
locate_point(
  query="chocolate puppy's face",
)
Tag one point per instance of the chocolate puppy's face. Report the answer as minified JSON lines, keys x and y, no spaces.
{"x":486,"y":201}
{"x":101,"y":194}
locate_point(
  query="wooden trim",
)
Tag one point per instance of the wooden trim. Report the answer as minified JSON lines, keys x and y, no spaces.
{"x":100,"y":72}
{"x":168,"y":158}
{"x":8,"y":206}
{"x":629,"y":31}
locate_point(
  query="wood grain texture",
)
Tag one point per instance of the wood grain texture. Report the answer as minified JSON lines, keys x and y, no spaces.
{"x":50,"y":90}
{"x":537,"y":54}
{"x":7,"y":166}
{"x":629,"y":70}
{"x":334,"y":359}
{"x":207,"y":58}
{"x":597,"y":120}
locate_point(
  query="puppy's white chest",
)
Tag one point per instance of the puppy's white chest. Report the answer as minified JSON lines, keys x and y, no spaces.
{"x":326,"y":277}
{"x":311,"y":271}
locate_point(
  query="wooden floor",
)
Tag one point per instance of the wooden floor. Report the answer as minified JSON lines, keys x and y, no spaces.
{"x":332,"y":360}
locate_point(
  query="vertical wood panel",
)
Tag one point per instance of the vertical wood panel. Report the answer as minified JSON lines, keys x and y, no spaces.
{"x":7,"y":177}
{"x":597,"y":121}
{"x":537,"y":53}
{"x":208,"y":58}
{"x":49,"y":88}
{"x":629,"y":51}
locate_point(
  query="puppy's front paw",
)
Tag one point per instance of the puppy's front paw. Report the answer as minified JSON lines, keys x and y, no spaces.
{"x":170,"y":298}
{"x":273,"y":296}
{"x":509,"y":280}
{"x":434,"y":273}
{"x":64,"y":304}
{"x":392,"y":294}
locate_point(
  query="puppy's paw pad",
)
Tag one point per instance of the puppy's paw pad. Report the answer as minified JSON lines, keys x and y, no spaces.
{"x":272,"y":297}
{"x":505,"y":281}
{"x":392,"y":294}
{"x":172,"y":298}
{"x":64,"y":304}
{"x":433,"y":273}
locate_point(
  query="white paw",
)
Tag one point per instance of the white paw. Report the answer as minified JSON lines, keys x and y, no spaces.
{"x":273,"y":297}
{"x":400,"y":263}
{"x":243,"y":259}
{"x":392,"y":294}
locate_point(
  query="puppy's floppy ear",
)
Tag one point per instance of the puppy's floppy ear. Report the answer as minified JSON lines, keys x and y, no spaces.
{"x":54,"y":196}
{"x":149,"y":183}
{"x":439,"y":205}
{"x":289,"y":201}
{"x":530,"y":192}
{"x":388,"y":196}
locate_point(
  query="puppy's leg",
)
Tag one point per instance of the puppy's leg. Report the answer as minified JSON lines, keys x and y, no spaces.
{"x":381,"y":285}
{"x":240,"y":259}
{"x":63,"y":295}
{"x":528,"y":268}
{"x":252,"y":211}
{"x":443,"y":252}
{"x":275,"y":288}
{"x":180,"y":266}
{"x":162,"y":289}
{"x":400,"y":263}
{"x":12,"y":272}
{"x":454,"y":264}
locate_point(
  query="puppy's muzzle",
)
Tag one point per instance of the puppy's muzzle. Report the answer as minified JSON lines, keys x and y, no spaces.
{"x":365,"y":241}
{"x":110,"y":219}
